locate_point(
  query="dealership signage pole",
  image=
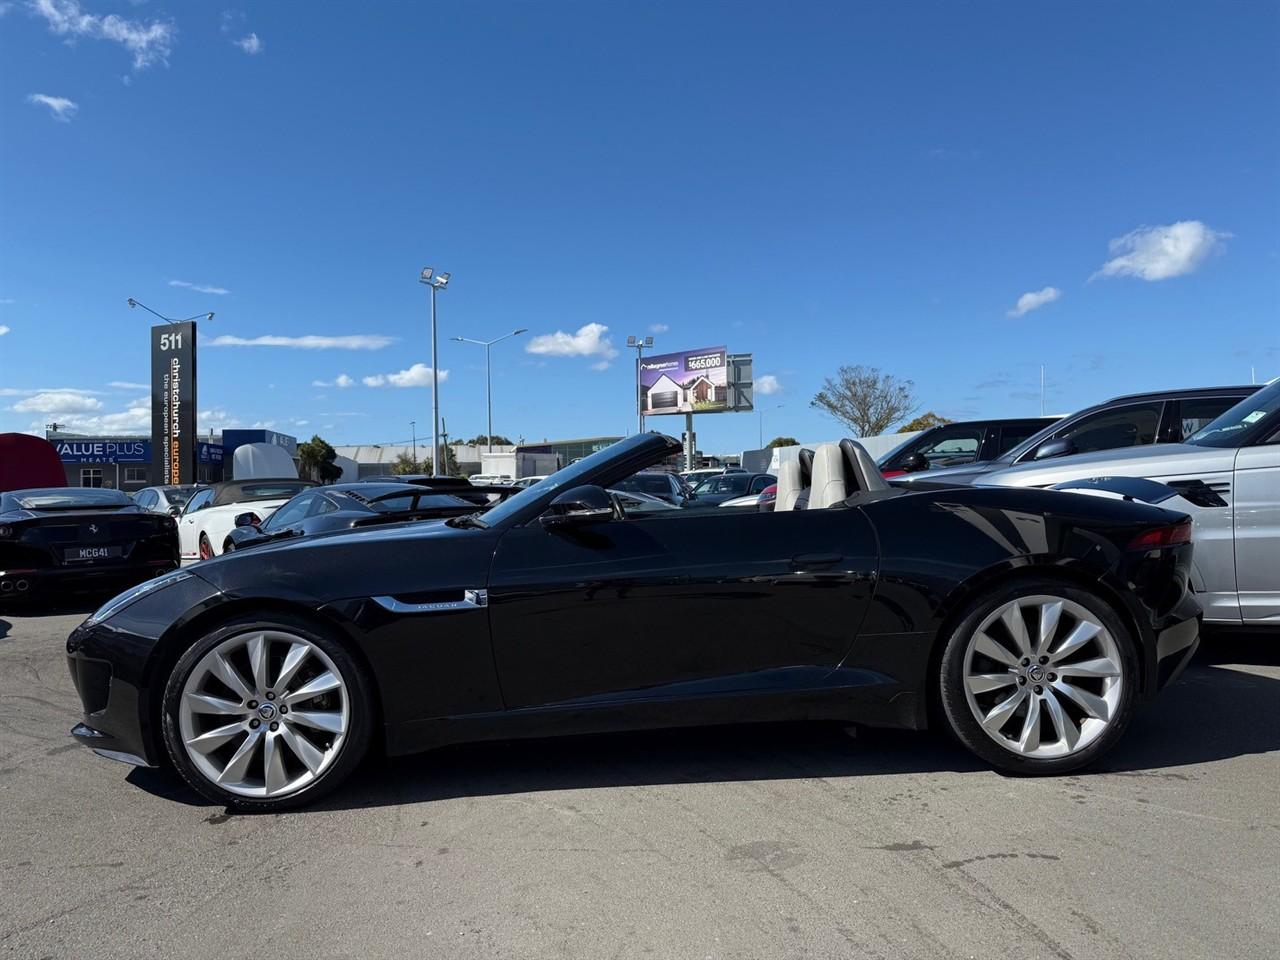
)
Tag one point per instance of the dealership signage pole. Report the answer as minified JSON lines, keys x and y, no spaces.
{"x":435,"y":283}
{"x":488,"y":373}
{"x":173,"y":397}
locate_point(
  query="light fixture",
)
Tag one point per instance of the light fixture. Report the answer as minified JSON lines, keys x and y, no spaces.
{"x":520,"y":331}
{"x":631,"y":341}
{"x":648,"y":341}
{"x":426,"y":275}
{"x":443,"y":279}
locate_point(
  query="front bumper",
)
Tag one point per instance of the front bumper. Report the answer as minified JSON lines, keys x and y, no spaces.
{"x":118,"y":669}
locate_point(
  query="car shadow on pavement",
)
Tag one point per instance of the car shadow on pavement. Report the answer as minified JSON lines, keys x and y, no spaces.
{"x":1213,"y":712}
{"x":5,"y":627}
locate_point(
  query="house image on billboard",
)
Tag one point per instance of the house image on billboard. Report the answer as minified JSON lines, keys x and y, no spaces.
{"x":666,"y":395}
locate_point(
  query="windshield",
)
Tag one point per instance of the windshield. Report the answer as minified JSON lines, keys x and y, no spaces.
{"x":1248,"y":419}
{"x":726,"y":483}
{"x":422,"y":500}
{"x":564,"y":479}
{"x":646,"y":483}
{"x":71,"y":498}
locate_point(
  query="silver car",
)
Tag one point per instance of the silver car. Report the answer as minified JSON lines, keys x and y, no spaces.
{"x":1164,"y":416}
{"x":1228,"y":474}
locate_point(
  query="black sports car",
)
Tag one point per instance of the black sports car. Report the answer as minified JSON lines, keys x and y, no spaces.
{"x":1038,"y":619}
{"x":71,"y":539}
{"x":345,"y":506}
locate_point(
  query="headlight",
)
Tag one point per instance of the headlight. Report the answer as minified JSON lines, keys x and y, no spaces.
{"x":116,"y":604}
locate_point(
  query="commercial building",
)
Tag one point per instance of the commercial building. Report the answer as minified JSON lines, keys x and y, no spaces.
{"x":123,"y":462}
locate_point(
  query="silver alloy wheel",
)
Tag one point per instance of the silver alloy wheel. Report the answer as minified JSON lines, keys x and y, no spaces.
{"x":1043,"y":676}
{"x":264,"y":714}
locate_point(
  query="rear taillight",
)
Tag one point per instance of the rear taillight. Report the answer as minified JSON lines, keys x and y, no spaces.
{"x":1158,"y":537}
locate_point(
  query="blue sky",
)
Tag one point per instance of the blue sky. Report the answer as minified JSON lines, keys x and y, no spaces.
{"x":816,"y":184}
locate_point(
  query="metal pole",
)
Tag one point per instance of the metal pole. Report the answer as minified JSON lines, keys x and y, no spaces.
{"x":435,"y":391}
{"x":690,"y":447}
{"x":1042,"y":389}
{"x":639,"y":401}
{"x":488,"y":391}
{"x":413,"y":426}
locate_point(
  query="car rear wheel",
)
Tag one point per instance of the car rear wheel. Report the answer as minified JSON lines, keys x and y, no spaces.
{"x":1039,"y":677}
{"x":266,"y":714}
{"x":206,"y":548}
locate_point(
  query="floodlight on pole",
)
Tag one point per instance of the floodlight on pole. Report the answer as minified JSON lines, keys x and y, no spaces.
{"x":639,"y":344}
{"x":199,"y":316}
{"x":488,"y":369}
{"x":435,"y":283}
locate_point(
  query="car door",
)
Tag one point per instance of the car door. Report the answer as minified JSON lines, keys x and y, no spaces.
{"x":677,"y":604}
{"x":188,"y":533}
{"x":1257,"y":531}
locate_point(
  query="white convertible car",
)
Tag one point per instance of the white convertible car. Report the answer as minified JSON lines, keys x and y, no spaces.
{"x":210,"y":514}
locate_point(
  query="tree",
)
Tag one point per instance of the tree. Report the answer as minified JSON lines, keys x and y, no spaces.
{"x":924,"y":422}
{"x":866,"y":400}
{"x":482,"y":440}
{"x":783,"y":442}
{"x":405,"y":464}
{"x":316,"y":459}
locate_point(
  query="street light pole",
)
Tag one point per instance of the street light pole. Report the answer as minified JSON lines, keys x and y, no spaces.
{"x":435,"y":283}
{"x":639,"y":343}
{"x":413,"y":427}
{"x":778,"y":407}
{"x":488,"y":374}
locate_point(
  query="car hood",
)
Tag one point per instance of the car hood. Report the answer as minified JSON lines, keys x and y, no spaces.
{"x":1153,"y":462}
{"x":962,"y":474}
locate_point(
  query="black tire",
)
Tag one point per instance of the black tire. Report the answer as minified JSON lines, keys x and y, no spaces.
{"x":351,"y":752}
{"x":205,"y":548}
{"x":951,"y":686}
{"x":228,"y":546}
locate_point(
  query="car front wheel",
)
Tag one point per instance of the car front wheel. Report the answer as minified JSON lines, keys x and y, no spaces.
{"x":266,"y":714}
{"x":1039,"y":677}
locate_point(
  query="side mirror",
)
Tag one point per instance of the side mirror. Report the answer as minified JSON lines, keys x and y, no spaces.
{"x":1058,"y":447}
{"x":914,"y":463}
{"x":247,"y":520}
{"x":579,"y":507}
{"x":175,"y":510}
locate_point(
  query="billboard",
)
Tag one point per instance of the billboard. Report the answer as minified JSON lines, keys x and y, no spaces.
{"x":173,"y":403}
{"x":691,"y":381}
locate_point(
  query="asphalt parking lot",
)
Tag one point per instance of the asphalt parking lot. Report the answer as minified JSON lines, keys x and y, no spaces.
{"x":751,"y":842}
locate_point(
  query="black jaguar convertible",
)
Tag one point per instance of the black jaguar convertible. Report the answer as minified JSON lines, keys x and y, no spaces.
{"x":1028,"y":622}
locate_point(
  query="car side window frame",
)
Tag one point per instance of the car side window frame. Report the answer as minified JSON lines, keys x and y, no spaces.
{"x":199,"y":500}
{"x":1068,"y":428}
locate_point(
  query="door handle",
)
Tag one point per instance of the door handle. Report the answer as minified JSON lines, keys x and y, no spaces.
{"x":808,"y":561}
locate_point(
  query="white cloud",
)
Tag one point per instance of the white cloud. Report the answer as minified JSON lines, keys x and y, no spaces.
{"x":31,"y":391}
{"x":342,"y":380}
{"x":600,"y":365}
{"x":149,"y":43}
{"x":1033,"y":300}
{"x":250,"y":44}
{"x":419,"y":375}
{"x":200,"y":287}
{"x":128,"y":385}
{"x":767,"y":385}
{"x":207,"y":420}
{"x":589,"y":341}
{"x":3,"y":329}
{"x":1158,"y":253}
{"x":58,"y":401}
{"x":60,"y":108}
{"x":658,"y":328}
{"x":363,"y":341}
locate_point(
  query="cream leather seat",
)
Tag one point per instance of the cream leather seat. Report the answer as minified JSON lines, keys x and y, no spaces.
{"x":790,"y":486}
{"x":829,"y":483}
